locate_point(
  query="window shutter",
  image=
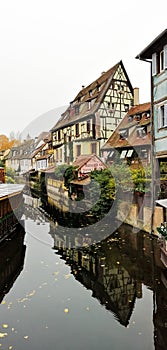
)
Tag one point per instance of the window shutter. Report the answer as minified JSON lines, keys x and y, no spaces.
{"x":165,"y":114}
{"x":165,"y":57}
{"x":154,"y":64}
{"x":159,"y":118}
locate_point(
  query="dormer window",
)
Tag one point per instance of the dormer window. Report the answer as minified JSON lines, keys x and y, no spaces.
{"x":146,"y":115}
{"x":98,"y":88}
{"x":89,"y":105}
{"x":141,"y":132}
{"x":130,"y":118}
{"x":77,"y":109}
{"x":123,"y":134}
{"x":138,"y":117}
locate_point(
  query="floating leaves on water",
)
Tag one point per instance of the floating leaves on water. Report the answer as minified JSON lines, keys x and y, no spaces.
{"x":22,"y":300}
{"x":67,"y":276}
{"x":10,"y":347}
{"x":87,"y":308}
{"x":31,"y":293}
{"x":5,"y":325}
{"x":3,"y":302}
{"x":66,"y":310}
{"x":2,"y":335}
{"x":55,"y":273}
{"x":25,"y":336}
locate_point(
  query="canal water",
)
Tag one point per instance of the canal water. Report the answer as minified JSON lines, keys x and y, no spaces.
{"x":80,"y":289}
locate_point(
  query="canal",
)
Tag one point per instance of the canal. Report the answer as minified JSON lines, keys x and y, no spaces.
{"x":66,"y":288}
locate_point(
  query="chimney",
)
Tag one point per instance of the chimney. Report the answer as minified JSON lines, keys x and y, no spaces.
{"x":136,"y":96}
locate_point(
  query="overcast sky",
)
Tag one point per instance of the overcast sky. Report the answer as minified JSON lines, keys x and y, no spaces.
{"x":49,"y":49}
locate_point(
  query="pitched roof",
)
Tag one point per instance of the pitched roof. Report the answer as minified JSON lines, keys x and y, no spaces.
{"x":154,"y":46}
{"x":114,"y":140}
{"x":94,"y":92}
{"x":84,"y":159}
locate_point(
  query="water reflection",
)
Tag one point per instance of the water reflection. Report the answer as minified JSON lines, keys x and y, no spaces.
{"x":115,"y":267}
{"x":12,"y":253}
{"x":124,"y":301}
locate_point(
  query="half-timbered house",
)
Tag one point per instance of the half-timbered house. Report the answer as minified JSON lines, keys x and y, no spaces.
{"x":93,"y":115}
{"x":131,"y":141}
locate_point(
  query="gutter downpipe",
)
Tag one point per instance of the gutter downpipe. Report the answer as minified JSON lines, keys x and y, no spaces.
{"x":152,"y":187}
{"x":152,"y":156}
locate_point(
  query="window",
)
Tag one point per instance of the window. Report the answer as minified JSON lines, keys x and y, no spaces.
{"x":88,"y":126}
{"x":162,"y":116}
{"x":78,"y":147}
{"x":59,"y":135}
{"x":126,"y":106}
{"x":77,"y":129}
{"x":159,"y":61}
{"x":144,"y":154}
{"x":123,"y":154}
{"x":141,"y":132}
{"x":93,"y":148}
{"x":130,"y":118}
{"x":123,"y":134}
{"x":89,"y":105}
{"x":77,"y":110}
{"x":129,"y":153}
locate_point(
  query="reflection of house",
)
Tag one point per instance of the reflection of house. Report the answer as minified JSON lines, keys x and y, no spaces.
{"x":130,"y":141}
{"x":114,"y":269}
{"x":12,"y":256}
{"x":92,"y":115}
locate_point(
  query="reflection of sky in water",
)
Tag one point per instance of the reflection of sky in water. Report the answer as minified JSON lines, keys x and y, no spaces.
{"x":47,"y":308}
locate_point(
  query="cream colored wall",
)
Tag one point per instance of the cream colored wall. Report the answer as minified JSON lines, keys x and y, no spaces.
{"x":128,"y":213}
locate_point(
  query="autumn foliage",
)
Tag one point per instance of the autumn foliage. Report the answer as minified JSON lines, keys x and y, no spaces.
{"x":5,"y":143}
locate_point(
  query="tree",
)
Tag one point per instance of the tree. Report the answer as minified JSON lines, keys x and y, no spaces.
{"x":5,"y":143}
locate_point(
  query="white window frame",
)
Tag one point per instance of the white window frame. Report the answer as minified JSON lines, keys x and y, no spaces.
{"x":154,"y":64}
{"x":161,"y":61}
{"x":165,"y":56}
{"x":162,"y":116}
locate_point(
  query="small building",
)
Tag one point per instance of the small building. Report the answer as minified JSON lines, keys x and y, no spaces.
{"x":86,"y":163}
{"x":130,"y":142}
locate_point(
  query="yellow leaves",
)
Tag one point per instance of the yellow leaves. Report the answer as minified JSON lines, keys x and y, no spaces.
{"x":5,"y":325}
{"x":26,"y":336}
{"x":31,"y":293}
{"x":2,"y":335}
{"x":66,"y":310}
